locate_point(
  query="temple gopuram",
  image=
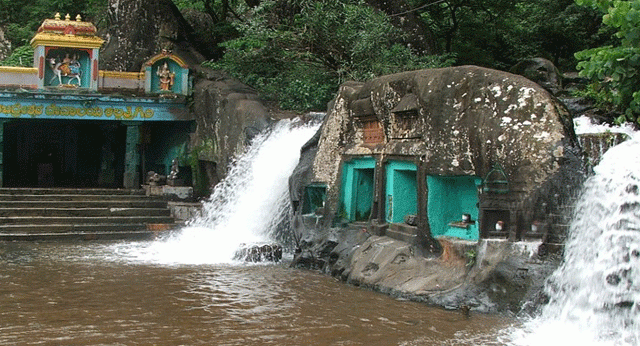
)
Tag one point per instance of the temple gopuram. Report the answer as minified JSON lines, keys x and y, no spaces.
{"x":66,"y":123}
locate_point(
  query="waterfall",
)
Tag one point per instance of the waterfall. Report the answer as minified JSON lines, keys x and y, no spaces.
{"x":246,"y":207}
{"x":594,"y":296}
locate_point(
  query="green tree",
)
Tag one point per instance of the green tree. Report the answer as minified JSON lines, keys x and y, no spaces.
{"x":23,"y":17}
{"x":21,"y":56}
{"x":500,"y":33}
{"x":614,"y":69}
{"x":299,"y":51}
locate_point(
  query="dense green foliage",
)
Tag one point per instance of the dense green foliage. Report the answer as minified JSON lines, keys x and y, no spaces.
{"x":297,"y":52}
{"x":300,"y":60}
{"x":615,"y":69}
{"x":499,"y":33}
{"x":21,"y":56}
{"x":21,"y":18}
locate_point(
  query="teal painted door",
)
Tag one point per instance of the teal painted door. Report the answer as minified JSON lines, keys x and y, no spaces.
{"x":363,"y":193}
{"x":401,"y":191}
{"x":358,"y":188}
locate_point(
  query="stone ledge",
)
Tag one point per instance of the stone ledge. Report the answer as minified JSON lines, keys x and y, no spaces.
{"x":402,"y":232}
{"x":184,"y":211}
{"x":184,"y":193}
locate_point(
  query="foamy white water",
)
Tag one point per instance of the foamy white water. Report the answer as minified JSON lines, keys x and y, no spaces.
{"x":585,"y":125}
{"x":246,"y":207}
{"x":595,"y":294}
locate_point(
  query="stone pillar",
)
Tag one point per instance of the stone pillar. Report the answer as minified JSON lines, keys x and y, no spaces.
{"x":132,"y":156}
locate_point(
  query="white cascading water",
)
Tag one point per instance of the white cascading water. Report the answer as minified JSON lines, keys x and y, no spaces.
{"x":595,"y":293}
{"x":244,"y":208}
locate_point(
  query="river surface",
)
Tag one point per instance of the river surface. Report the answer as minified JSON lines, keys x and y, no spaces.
{"x":88,"y":294}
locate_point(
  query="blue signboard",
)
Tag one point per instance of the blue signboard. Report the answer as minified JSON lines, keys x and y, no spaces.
{"x":28,"y":105}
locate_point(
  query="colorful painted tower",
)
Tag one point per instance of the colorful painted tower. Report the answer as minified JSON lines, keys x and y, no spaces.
{"x":66,"y":53}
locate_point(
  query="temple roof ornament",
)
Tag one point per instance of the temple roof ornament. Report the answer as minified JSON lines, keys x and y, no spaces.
{"x":67,"y":33}
{"x":165,"y":54}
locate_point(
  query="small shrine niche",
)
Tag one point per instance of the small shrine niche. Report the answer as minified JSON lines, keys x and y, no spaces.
{"x":66,"y":53}
{"x":166,"y":73}
{"x":67,"y":67}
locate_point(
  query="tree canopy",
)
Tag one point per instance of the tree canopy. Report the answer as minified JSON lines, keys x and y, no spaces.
{"x":297,"y":52}
{"x":615,"y":68}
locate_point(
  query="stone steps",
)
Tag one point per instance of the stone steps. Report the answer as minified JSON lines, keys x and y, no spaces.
{"x":151,"y":203}
{"x":82,"y":220}
{"x":71,"y":197}
{"x":80,"y":212}
{"x":54,"y":214}
{"x":406,"y":233}
{"x":69,"y":191}
{"x":66,"y":236}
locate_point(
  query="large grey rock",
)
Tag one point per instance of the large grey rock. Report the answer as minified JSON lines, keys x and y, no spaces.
{"x":228,"y":115}
{"x":465,"y":119}
{"x":490,"y":276}
{"x":541,"y":71}
{"x":457,"y":121}
{"x":140,"y":29}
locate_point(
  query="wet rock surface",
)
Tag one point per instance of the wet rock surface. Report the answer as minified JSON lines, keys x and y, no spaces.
{"x":487,"y":277}
{"x":259,"y":253}
{"x":228,"y":115}
{"x":541,"y":71}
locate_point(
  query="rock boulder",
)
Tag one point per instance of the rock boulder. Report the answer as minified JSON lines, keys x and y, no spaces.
{"x":228,"y":115}
{"x":139,"y":30}
{"x":451,"y":122}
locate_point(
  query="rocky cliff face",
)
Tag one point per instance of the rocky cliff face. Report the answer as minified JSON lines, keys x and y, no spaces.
{"x":139,"y":30}
{"x":229,"y":115}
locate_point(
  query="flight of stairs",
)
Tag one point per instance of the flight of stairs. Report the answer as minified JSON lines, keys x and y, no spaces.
{"x":60,"y":214}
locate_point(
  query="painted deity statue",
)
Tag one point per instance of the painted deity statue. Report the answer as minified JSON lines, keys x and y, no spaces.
{"x":167,"y":78}
{"x":67,"y":67}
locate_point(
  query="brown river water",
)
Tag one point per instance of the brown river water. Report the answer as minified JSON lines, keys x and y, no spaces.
{"x":84,"y":294}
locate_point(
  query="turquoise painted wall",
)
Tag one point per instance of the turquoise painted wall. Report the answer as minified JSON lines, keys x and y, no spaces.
{"x":357,"y":188}
{"x":363,"y":192}
{"x":449,"y":198}
{"x":401,"y":190}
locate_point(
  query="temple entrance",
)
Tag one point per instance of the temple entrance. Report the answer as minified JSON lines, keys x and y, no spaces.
{"x":63,"y":153}
{"x":358,"y":188}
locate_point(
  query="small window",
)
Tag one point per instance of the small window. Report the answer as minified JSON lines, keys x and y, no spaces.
{"x":373,"y":133}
